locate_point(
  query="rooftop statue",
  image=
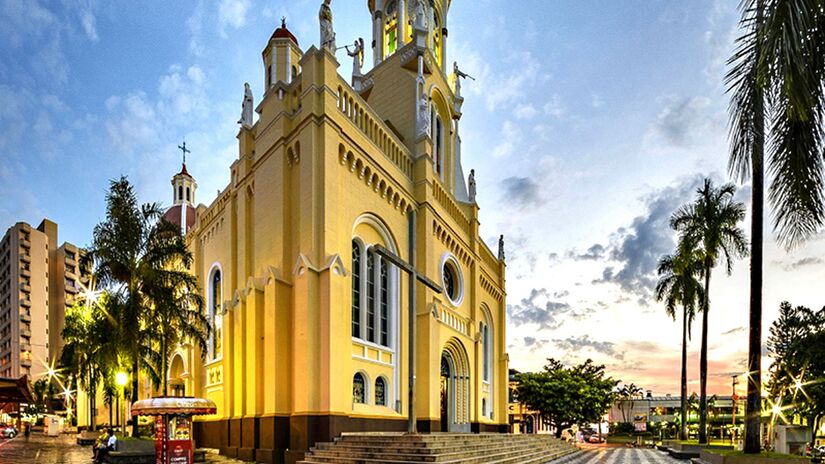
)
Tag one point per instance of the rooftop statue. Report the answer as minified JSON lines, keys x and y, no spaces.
{"x":471,"y":185}
{"x":327,"y":32}
{"x":459,"y":74}
{"x":357,"y":55}
{"x":246,"y":107}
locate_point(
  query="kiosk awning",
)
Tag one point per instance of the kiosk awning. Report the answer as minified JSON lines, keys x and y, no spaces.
{"x":15,"y":390}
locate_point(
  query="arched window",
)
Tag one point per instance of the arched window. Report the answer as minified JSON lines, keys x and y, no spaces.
{"x":436,"y":42}
{"x":487,"y":357}
{"x":180,"y":193}
{"x":294,"y":72}
{"x":380,"y":391}
{"x":370,"y":296}
{"x":187,"y":194}
{"x":356,"y":289}
{"x":359,"y":390}
{"x":215,"y":314}
{"x":437,"y":136}
{"x":485,"y":340}
{"x":269,"y":76}
{"x":391,"y":28}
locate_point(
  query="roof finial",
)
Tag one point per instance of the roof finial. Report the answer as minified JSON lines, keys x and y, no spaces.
{"x":283,"y":22}
{"x":184,"y":150}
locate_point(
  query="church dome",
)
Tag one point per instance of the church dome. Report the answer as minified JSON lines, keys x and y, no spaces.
{"x":175,"y":216}
{"x":283,"y":33}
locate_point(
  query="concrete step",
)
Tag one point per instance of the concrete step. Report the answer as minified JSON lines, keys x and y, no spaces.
{"x":439,"y":448}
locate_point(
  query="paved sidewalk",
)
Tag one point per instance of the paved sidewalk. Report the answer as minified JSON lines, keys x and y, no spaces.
{"x":40,"y":449}
{"x":617,"y":455}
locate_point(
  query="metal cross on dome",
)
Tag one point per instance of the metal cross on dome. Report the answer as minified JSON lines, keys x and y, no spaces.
{"x":184,"y":150}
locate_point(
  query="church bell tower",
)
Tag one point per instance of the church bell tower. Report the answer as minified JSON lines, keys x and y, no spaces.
{"x":281,"y":57}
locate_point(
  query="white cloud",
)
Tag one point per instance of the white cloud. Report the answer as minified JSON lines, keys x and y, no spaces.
{"x":524,"y":111}
{"x":554,"y":107}
{"x":88,"y":20}
{"x":510,"y":135}
{"x":233,"y":12}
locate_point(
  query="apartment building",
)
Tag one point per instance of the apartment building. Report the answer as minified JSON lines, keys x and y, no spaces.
{"x":38,"y":280}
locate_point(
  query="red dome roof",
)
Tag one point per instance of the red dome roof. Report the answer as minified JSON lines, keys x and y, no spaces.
{"x":183,"y":171}
{"x":283,"y":33}
{"x":173,"y":215}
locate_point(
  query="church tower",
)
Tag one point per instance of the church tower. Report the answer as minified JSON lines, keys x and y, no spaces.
{"x":393,"y":27}
{"x":281,"y":57}
{"x":182,"y":212}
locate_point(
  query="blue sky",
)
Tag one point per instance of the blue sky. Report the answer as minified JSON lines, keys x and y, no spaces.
{"x":589,"y":122}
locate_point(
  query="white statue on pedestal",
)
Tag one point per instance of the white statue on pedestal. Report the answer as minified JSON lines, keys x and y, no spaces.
{"x":423,"y":116}
{"x":471,"y":185}
{"x":327,"y":32}
{"x":357,"y":55}
{"x":246,"y":107}
{"x":458,"y":76}
{"x":501,"y":248}
{"x":420,"y":18}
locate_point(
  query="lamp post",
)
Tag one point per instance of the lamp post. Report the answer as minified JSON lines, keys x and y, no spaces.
{"x":121,"y":379}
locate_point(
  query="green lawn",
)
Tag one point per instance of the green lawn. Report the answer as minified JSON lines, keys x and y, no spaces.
{"x":762,"y":454}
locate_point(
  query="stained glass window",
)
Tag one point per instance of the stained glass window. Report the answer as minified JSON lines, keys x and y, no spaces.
{"x":215,"y":314}
{"x":383,"y":309}
{"x":371,"y":297}
{"x":380,"y":392}
{"x":358,"y":389}
{"x":356,"y":289}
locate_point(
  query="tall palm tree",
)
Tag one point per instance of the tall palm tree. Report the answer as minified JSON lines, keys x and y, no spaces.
{"x":709,"y":227}
{"x":679,"y":285}
{"x":136,"y":253}
{"x":777,"y":69}
{"x":177,"y":315}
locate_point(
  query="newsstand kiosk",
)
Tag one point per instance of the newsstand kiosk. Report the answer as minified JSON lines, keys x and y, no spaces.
{"x":173,"y":425}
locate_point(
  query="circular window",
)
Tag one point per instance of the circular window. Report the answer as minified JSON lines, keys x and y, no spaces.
{"x":451,"y":280}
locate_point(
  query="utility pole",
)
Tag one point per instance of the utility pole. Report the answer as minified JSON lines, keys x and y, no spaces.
{"x":734,"y":398}
{"x":415,"y":275}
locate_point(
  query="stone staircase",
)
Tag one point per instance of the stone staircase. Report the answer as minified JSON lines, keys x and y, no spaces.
{"x":444,"y":448}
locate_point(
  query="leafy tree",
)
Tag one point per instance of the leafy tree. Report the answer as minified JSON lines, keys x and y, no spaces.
{"x":565,"y":396}
{"x":709,"y":228}
{"x":679,"y":285}
{"x":798,"y":369}
{"x":139,"y":256}
{"x":777,"y":71}
{"x":89,"y":350}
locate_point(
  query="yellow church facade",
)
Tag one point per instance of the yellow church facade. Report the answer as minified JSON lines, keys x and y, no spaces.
{"x":310,"y":322}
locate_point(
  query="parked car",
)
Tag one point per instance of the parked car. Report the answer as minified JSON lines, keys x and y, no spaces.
{"x":595,"y":438}
{"x":8,"y":431}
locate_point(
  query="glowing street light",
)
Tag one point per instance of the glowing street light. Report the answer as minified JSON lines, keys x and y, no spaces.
{"x":121,"y":379}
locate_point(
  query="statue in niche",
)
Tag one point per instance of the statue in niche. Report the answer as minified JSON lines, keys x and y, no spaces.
{"x":471,"y":185}
{"x":423,"y":116}
{"x":327,"y":32}
{"x":459,"y":74}
{"x":246,"y":107}
{"x":357,"y":55}
{"x":501,"y":248}
{"x":420,"y":16}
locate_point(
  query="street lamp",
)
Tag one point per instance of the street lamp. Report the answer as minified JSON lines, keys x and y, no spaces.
{"x":121,"y":379}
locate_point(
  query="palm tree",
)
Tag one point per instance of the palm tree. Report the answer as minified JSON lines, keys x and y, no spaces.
{"x":709,"y":228}
{"x":678,"y":285}
{"x":777,"y":69}
{"x":626,"y":394}
{"x":177,"y":315}
{"x":136,"y":253}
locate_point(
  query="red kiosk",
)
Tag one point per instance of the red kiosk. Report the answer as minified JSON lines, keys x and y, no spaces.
{"x":173,"y":425}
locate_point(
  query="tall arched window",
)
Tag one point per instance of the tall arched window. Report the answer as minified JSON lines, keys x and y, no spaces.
{"x":359,"y":389}
{"x":391,"y":28}
{"x":215,"y":314}
{"x":487,"y":364}
{"x":187,"y":194}
{"x":380,"y":392}
{"x":180,"y":192}
{"x":370,"y":296}
{"x":356,"y":289}
{"x":436,"y":42}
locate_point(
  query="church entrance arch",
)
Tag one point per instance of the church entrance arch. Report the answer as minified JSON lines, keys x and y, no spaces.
{"x":455,"y":388}
{"x":177,"y":381}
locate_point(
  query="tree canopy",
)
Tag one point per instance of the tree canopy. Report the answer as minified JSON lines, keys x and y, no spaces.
{"x":566,"y":396}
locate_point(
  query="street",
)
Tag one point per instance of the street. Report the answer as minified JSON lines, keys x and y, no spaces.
{"x":618,"y":455}
{"x":40,"y":449}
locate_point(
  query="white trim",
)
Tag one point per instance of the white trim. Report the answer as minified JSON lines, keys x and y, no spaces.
{"x":449,"y":257}
{"x":288,"y":65}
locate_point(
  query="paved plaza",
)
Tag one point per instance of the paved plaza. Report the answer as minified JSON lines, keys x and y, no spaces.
{"x":40,"y":449}
{"x":619,"y":456}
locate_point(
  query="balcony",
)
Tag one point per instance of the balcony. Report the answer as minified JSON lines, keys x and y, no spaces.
{"x":26,"y":288}
{"x":25,"y":317}
{"x":70,"y":261}
{"x":25,"y":347}
{"x":25,"y":243}
{"x":25,"y":363}
{"x":25,"y":333}
{"x":71,"y":288}
{"x":25,"y":257}
{"x":25,"y":272}
{"x":70,"y":274}
{"x":26,"y":303}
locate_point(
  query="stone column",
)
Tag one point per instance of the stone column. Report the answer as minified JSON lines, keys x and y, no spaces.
{"x":401,"y":26}
{"x":377,"y":33}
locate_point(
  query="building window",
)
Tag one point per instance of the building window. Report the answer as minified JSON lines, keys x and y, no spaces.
{"x":215,"y":315}
{"x":451,"y":280}
{"x":294,"y":72}
{"x":268,"y":76}
{"x":380,"y":392}
{"x":391,"y":28}
{"x":437,"y":136}
{"x":436,"y":42}
{"x":187,"y":193}
{"x":359,"y":393}
{"x":356,"y":289}
{"x":370,"y":296}
{"x":180,"y":192}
